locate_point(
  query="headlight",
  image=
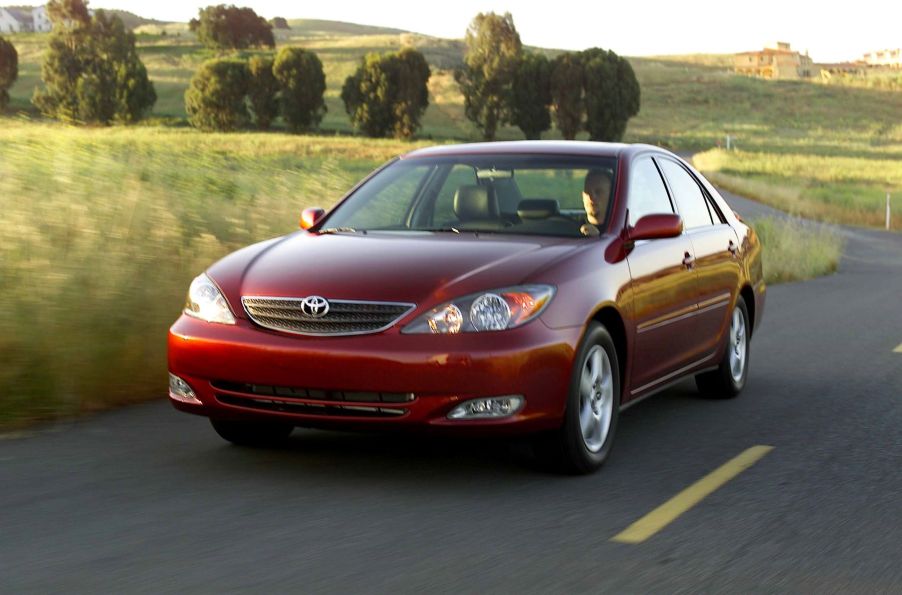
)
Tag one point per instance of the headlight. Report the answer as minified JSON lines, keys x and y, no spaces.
{"x":205,"y":301}
{"x":494,"y":310}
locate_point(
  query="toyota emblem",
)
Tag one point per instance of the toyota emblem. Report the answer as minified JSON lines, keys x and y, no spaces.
{"x":315,"y":306}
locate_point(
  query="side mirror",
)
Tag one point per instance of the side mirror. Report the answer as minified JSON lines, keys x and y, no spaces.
{"x":311,"y":216}
{"x":653,"y":227}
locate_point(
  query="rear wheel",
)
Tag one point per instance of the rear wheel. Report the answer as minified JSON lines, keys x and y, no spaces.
{"x":247,"y":433}
{"x":729,"y":378}
{"x":593,"y":407}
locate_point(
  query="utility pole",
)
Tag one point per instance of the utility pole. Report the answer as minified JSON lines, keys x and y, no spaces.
{"x":888,"y":213}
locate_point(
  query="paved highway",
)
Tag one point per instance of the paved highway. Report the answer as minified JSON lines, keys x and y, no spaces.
{"x":148,"y":499}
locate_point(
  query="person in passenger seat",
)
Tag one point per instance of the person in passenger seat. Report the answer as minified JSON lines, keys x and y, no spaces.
{"x":596,"y":195}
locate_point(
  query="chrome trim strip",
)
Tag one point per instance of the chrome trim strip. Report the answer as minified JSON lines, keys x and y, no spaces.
{"x":672,"y":374}
{"x":718,"y":299}
{"x":410,"y":307}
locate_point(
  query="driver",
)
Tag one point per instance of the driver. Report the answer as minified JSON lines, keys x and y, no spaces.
{"x":596,"y":195}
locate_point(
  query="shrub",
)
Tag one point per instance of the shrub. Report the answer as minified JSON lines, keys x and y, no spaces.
{"x":215,"y":99}
{"x":262,"y":91}
{"x":567,"y":81}
{"x":279,"y":23}
{"x":388,"y":93}
{"x":302,"y":84}
{"x":9,"y":70}
{"x":493,"y":51}
{"x":230,"y":27}
{"x":531,"y":95}
{"x":611,"y":94}
{"x":91,"y":70}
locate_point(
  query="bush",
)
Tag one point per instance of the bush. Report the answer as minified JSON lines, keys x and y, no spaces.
{"x":611,"y":94}
{"x":493,"y":52}
{"x":215,"y":99}
{"x":567,"y":81}
{"x":229,"y":27}
{"x":263,"y":91}
{"x":279,"y":23}
{"x":9,"y":70}
{"x":531,"y":95}
{"x":388,"y":93}
{"x":302,"y":84}
{"x":91,"y":70}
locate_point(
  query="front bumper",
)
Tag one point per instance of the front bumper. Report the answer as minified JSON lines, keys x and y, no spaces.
{"x":341,"y":378}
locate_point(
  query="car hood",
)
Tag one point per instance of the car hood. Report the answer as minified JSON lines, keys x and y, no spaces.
{"x":422,"y":268}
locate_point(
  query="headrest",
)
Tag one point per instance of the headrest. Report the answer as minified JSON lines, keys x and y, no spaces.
{"x":537,"y":208}
{"x":475,"y":202}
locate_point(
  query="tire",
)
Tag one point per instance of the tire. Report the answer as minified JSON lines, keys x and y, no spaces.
{"x":729,"y":378}
{"x":584,"y":441}
{"x":255,"y":434}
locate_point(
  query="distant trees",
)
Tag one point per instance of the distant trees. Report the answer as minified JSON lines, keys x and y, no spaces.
{"x":229,"y":27}
{"x":279,"y":23}
{"x":302,"y":84}
{"x":493,"y":52}
{"x":216,"y":95}
{"x":530,"y":99}
{"x":9,"y":70}
{"x":91,"y":70}
{"x":388,"y":93}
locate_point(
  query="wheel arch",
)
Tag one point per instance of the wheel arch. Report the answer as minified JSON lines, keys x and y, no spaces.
{"x":748,"y":295}
{"x":612,"y":320}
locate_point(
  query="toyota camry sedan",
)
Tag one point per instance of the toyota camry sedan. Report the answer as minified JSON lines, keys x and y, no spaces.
{"x":501,"y":288}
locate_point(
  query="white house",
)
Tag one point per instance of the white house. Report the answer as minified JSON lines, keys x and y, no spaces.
{"x":12,"y":20}
{"x":16,"y":20}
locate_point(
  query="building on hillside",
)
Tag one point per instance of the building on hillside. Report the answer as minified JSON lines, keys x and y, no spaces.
{"x":13,"y":20}
{"x":891,"y":58}
{"x":18,"y":20}
{"x":778,"y":62}
{"x":828,"y":71}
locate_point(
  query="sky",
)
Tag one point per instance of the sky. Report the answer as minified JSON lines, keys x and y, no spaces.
{"x":829,"y":31}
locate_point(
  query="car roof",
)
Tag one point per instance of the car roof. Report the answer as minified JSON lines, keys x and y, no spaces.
{"x":534,"y":147}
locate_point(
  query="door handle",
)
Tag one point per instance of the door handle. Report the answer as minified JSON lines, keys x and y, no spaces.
{"x":688,"y":261}
{"x":733,"y":248}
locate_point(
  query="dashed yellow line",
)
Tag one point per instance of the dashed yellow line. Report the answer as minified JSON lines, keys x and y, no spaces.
{"x":898,"y":349}
{"x":668,"y":512}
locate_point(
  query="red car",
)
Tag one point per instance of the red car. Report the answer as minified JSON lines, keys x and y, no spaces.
{"x":523,"y":287}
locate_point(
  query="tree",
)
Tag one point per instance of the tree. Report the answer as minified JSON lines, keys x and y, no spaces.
{"x":302,"y":84}
{"x":388,"y":93}
{"x":215,"y":99}
{"x":229,"y":27}
{"x":493,"y":51}
{"x":263,"y":91}
{"x":9,"y":70}
{"x":567,"y":82}
{"x":279,"y":23}
{"x":91,"y":70}
{"x":531,"y":95}
{"x":611,"y":94}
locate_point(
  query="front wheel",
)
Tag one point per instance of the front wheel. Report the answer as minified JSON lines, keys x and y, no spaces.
{"x":247,"y":433}
{"x":593,"y":407}
{"x":729,"y":378}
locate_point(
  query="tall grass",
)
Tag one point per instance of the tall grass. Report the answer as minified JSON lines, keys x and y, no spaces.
{"x":102,"y":230}
{"x":794,"y":250}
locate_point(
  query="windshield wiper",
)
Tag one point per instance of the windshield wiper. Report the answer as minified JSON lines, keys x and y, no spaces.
{"x":341,"y":230}
{"x":440,"y":229}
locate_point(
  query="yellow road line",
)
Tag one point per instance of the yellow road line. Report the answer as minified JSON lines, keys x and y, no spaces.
{"x":898,"y":349}
{"x":668,"y":512}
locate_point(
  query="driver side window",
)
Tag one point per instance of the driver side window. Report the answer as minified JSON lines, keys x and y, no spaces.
{"x":647,"y":193}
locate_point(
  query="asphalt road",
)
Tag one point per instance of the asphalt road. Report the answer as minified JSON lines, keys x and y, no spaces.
{"x":148,"y":499}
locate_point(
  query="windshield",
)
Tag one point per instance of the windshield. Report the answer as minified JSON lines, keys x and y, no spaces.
{"x":536,"y":195}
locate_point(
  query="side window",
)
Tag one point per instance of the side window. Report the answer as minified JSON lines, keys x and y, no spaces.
{"x":690,"y":201}
{"x":460,"y":175}
{"x":647,"y":194}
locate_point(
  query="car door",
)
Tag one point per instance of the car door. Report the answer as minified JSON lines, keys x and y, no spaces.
{"x":663,"y":287}
{"x":716,"y":250}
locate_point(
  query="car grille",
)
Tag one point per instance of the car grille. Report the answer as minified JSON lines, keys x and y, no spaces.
{"x":343,"y":318}
{"x":309,"y":401}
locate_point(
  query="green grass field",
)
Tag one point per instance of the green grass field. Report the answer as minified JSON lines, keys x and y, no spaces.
{"x":103,"y":228}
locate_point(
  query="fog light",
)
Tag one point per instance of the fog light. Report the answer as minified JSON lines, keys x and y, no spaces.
{"x":488,"y":408}
{"x":180,"y":391}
